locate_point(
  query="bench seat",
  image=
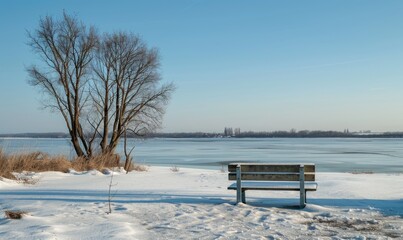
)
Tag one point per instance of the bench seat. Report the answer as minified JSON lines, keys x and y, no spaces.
{"x":280,"y":186}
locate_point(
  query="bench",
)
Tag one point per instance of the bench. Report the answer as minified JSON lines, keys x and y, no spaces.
{"x":276,"y":177}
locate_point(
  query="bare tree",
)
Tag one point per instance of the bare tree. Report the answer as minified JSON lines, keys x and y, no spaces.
{"x":103,"y":86}
{"x":128,"y":96}
{"x":66,"y":48}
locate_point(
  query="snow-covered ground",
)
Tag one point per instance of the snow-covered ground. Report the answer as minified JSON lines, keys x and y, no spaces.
{"x":195,"y":204}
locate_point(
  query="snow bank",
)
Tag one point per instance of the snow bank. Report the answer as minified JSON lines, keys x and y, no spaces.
{"x":195,"y":204}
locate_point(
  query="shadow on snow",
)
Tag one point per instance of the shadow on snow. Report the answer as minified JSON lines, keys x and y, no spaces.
{"x":386,"y":207}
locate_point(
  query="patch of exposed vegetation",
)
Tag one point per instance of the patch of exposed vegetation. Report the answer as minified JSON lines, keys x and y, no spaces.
{"x":12,"y":164}
{"x":14,"y":214}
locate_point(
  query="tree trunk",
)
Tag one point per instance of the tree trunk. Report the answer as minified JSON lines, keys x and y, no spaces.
{"x":77,"y":147}
{"x":112,"y":147}
{"x":128,"y":163}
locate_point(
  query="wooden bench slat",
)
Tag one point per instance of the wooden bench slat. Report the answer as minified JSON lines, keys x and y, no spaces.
{"x":271,"y":177}
{"x":291,"y":167}
{"x":292,"y":186}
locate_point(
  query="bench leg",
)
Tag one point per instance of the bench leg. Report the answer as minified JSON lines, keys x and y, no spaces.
{"x":305,"y":197}
{"x":239,"y":192}
{"x":239,"y":195}
{"x":302,"y":198}
{"x":243,"y":196}
{"x":302,"y":191}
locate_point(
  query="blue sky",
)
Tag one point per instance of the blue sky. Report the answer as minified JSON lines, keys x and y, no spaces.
{"x":257,"y":65}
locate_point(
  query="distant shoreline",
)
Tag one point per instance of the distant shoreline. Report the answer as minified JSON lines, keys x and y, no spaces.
{"x":275,"y":134}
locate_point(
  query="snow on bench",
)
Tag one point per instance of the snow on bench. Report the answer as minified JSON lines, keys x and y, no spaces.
{"x":277,"y":177}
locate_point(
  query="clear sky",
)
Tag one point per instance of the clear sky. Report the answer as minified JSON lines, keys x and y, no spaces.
{"x":258,"y":65}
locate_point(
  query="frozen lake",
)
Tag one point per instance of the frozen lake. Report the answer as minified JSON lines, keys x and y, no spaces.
{"x":329,"y":154}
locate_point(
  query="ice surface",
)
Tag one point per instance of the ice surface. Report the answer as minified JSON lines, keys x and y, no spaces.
{"x":329,"y":154}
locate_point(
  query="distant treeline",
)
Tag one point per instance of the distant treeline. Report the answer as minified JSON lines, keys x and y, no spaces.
{"x":284,"y":134}
{"x":248,"y":134}
{"x":35,"y":135}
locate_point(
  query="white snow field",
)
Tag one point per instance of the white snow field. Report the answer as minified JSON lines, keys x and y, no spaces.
{"x":195,"y":204}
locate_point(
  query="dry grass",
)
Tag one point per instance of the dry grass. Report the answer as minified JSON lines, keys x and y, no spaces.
{"x":174,"y":168}
{"x":98,"y":162}
{"x":26,"y":179}
{"x":41,"y":162}
{"x":138,"y":167}
{"x":35,"y":162}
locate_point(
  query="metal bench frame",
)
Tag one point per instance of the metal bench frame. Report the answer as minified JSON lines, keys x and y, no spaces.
{"x":241,"y":188}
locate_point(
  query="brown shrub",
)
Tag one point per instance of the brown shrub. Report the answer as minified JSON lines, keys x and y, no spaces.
{"x":14,"y":214}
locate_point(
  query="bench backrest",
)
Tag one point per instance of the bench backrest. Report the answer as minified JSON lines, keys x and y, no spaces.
{"x":272,"y":172}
